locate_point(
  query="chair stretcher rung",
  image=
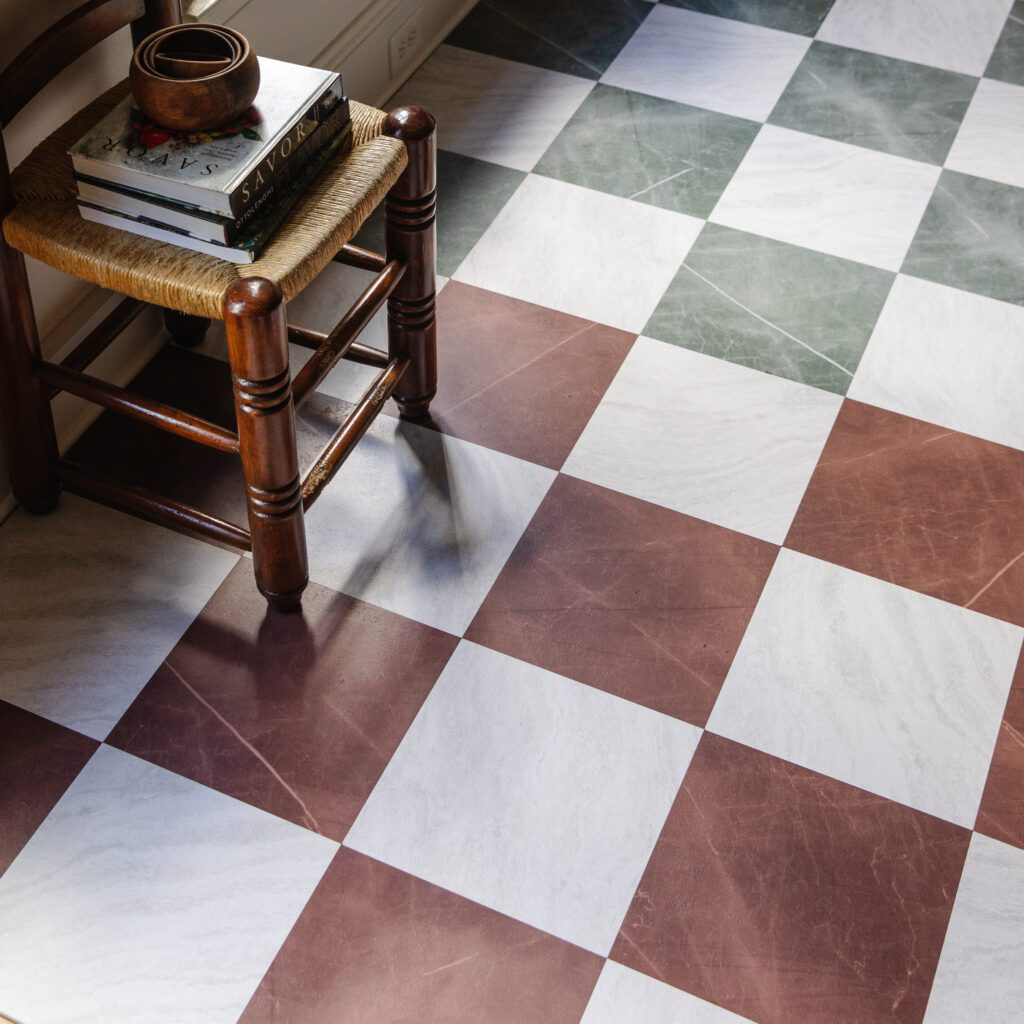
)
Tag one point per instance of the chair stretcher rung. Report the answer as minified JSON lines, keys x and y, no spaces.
{"x":357,"y":256}
{"x":345,"y":437}
{"x":90,"y":484}
{"x":337,"y":343}
{"x":157,"y":414}
{"x":97,"y":340}
{"x":306,"y":337}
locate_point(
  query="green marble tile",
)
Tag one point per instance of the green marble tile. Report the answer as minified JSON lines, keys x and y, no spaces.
{"x":774,"y":307}
{"x":801,"y":16}
{"x":877,"y":102}
{"x":470,"y":194}
{"x":972,"y":237}
{"x":579,"y":37}
{"x":1007,"y":63}
{"x":655,"y":151}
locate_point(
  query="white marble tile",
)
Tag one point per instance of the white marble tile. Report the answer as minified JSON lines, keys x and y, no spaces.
{"x":149,"y":899}
{"x":581,"y":252}
{"x":624,"y":996}
{"x":92,"y":601}
{"x":840,"y":199}
{"x":949,"y":357}
{"x":958,"y":35}
{"x":990,"y":142}
{"x":530,"y":793}
{"x":864,"y":681}
{"x":716,"y":63}
{"x":706,"y":437}
{"x":980,"y":976}
{"x":493,"y":109}
{"x":420,"y":523}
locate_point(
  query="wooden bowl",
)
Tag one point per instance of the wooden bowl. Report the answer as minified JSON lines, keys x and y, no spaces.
{"x":194,"y":77}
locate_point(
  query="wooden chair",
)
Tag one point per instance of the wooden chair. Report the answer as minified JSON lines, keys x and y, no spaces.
{"x":392,"y":160}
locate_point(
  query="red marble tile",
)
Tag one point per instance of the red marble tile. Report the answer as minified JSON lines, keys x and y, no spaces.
{"x":629,"y":597}
{"x":519,"y":378}
{"x":1001,"y":814}
{"x":296,"y":714}
{"x":921,"y":506}
{"x":38,"y":761}
{"x":787,"y":897}
{"x":377,"y":946}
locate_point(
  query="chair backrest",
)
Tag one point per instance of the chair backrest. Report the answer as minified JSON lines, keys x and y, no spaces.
{"x":70,"y":37}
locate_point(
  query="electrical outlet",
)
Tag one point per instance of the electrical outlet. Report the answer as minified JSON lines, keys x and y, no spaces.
{"x":403,"y":45}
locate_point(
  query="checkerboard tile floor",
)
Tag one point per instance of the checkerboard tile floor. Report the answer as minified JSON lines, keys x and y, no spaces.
{"x":672,"y":674}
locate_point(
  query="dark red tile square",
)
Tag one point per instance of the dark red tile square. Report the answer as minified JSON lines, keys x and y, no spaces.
{"x":296,"y":714}
{"x":786,"y":896}
{"x":519,"y":378}
{"x":632,"y":598}
{"x":1001,"y":814}
{"x":921,"y":506}
{"x":38,"y":761}
{"x":377,"y":946}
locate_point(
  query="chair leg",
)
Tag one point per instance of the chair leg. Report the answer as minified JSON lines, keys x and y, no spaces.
{"x":258,"y":349}
{"x":26,"y":419}
{"x":186,"y":330}
{"x":410,"y":237}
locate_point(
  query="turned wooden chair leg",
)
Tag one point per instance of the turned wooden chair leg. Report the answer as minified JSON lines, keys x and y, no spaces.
{"x":186,"y":330}
{"x":26,"y":420}
{"x":410,"y":237}
{"x":258,"y":350}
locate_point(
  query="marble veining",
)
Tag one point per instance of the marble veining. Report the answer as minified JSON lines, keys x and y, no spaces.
{"x":774,"y":307}
{"x":710,"y":62}
{"x":493,"y":109}
{"x":622,"y":257}
{"x":652,"y":150}
{"x":972,"y":237}
{"x":863,"y":681}
{"x":890,"y":105}
{"x":943,"y":33}
{"x":949,"y":357}
{"x":149,"y":899}
{"x":981,"y":971}
{"x":92,"y":602}
{"x":1007,"y":63}
{"x":802,"y":16}
{"x":826,"y":195}
{"x":532,"y":794}
{"x":707,"y":438}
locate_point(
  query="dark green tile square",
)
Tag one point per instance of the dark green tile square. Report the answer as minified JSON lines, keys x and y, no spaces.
{"x":470,"y":194}
{"x":655,"y":151}
{"x":877,"y":102}
{"x":774,"y":307}
{"x":1007,"y":63}
{"x":579,"y":37}
{"x":972,"y":237}
{"x":801,"y":16}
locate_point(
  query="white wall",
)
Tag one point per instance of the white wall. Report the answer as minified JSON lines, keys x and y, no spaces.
{"x":347,"y":35}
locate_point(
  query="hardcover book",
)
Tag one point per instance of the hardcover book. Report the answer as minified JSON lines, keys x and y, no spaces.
{"x":223,"y":172}
{"x":332,"y":134}
{"x":250,"y":241}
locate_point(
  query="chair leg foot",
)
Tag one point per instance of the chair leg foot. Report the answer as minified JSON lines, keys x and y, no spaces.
{"x":187,"y":331}
{"x":287,"y":604}
{"x":39,"y":506}
{"x":410,"y":237}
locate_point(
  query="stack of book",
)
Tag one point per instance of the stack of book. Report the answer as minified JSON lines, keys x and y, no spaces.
{"x":222,"y":192}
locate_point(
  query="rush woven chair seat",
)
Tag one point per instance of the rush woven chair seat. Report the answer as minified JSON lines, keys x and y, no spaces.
{"x":392,"y":161}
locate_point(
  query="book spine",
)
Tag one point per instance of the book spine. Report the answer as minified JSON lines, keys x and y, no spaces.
{"x":245,"y":204}
{"x":271,"y":166}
